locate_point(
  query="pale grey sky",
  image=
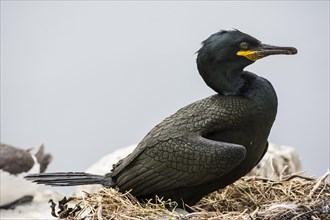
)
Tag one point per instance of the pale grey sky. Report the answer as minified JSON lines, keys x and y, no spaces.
{"x":87,"y":77}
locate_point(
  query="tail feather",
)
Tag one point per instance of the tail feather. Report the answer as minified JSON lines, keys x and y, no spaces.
{"x":70,"y":179}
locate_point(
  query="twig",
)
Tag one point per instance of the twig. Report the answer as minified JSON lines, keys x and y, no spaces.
{"x":317,"y":185}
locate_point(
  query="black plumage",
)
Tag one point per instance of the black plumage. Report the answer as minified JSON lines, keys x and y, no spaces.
{"x":208,"y":144}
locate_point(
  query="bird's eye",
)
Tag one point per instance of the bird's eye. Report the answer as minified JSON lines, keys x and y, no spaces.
{"x":244,"y":46}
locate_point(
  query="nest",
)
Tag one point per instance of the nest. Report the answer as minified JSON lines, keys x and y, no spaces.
{"x":288,"y":197}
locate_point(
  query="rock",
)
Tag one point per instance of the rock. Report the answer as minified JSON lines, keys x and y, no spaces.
{"x":39,"y":208}
{"x":279,"y":159}
{"x":14,"y":187}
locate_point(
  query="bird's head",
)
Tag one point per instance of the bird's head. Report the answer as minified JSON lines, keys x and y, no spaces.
{"x":225,"y":54}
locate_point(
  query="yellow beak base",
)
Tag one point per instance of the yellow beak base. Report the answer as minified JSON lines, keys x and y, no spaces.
{"x":249,"y":54}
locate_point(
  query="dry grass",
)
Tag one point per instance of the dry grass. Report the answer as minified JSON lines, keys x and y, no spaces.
{"x":290,"y":197}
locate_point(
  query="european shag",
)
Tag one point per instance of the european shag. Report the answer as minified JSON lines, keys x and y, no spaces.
{"x":208,"y":144}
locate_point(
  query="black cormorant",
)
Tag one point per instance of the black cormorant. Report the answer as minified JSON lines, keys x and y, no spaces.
{"x":208,"y":144}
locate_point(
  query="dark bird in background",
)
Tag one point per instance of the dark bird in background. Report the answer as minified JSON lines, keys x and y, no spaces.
{"x":206,"y":145}
{"x":15,"y":160}
{"x":15,"y":163}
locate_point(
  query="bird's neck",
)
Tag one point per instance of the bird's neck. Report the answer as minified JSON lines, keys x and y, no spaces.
{"x":225,"y":79}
